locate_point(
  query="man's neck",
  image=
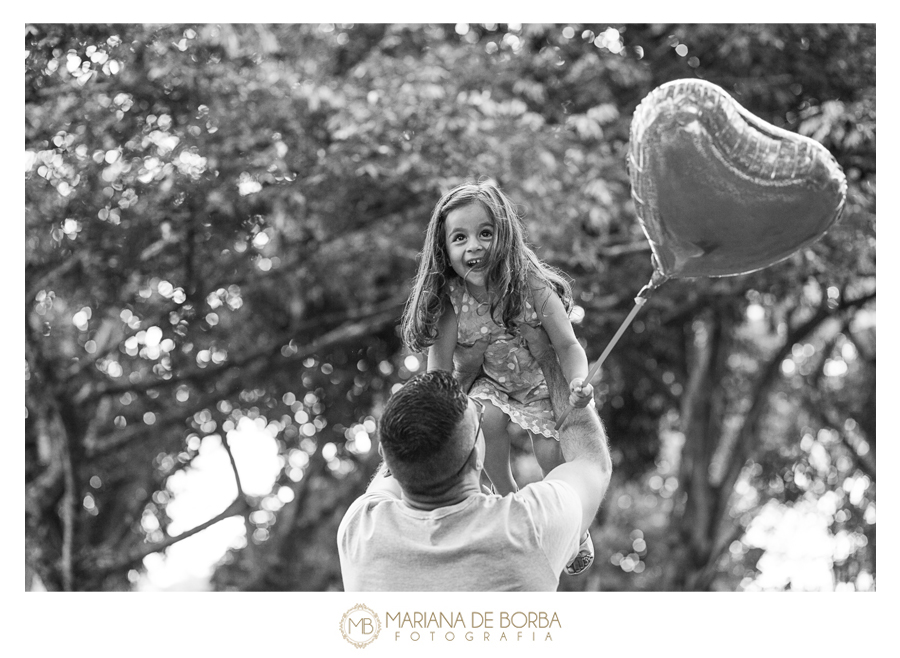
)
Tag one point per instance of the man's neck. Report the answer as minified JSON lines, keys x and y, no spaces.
{"x":463,"y":489}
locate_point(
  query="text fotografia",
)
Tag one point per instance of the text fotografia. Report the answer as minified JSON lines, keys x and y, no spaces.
{"x":478,"y":626}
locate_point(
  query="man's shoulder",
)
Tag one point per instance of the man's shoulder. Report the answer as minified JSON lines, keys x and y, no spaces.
{"x":372,"y":497}
{"x":364,"y":504}
{"x":552,"y":494}
{"x":554,"y":514}
{"x":549,"y":486}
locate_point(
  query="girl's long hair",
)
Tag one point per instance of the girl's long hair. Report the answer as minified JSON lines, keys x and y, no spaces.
{"x":512,"y":267}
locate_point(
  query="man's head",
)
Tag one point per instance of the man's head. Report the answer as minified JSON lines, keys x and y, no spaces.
{"x":428,"y":432}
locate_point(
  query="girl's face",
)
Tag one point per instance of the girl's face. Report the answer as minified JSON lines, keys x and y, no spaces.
{"x":468,"y":234}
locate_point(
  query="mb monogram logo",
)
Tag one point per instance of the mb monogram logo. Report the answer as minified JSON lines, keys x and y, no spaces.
{"x":360,"y":626}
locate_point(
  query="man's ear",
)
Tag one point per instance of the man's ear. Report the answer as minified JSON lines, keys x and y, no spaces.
{"x":380,"y":450}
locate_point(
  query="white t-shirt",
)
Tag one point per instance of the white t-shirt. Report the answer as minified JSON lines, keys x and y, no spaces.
{"x":521,"y":542}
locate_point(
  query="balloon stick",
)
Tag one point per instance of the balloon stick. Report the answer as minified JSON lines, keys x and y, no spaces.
{"x":639,"y":301}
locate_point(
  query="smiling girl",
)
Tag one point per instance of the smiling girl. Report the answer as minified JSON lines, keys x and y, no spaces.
{"x":478,"y":281}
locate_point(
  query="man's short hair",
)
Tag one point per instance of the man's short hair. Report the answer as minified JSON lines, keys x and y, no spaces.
{"x":419,"y":431}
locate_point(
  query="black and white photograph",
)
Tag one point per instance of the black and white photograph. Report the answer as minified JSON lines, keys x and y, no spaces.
{"x":356,"y":308}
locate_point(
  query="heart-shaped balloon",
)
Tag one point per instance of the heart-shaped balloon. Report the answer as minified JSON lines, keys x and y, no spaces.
{"x":719,"y":191}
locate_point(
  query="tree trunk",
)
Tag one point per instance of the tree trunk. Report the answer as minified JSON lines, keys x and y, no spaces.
{"x":693,"y":530}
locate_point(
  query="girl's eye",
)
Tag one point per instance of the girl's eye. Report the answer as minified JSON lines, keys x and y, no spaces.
{"x":487,"y":233}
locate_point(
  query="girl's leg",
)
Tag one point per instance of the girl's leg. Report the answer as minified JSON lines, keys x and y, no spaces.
{"x":547,"y":452}
{"x":496,"y":442}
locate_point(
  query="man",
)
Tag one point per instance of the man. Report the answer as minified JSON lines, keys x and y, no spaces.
{"x":424,"y":523}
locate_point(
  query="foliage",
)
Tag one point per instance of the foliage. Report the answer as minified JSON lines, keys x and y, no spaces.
{"x":222,"y":222}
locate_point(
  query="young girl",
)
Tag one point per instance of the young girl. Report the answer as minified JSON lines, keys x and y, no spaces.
{"x":478,"y":280}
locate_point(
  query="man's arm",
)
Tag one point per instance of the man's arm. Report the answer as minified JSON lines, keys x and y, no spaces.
{"x":582,"y":437}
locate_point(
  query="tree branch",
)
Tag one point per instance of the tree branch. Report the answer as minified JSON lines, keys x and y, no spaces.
{"x":747,"y":442}
{"x":106,"y":563}
{"x":287,"y":517}
{"x":339,"y":335}
{"x":704,"y":578}
{"x":747,"y":438}
{"x":68,"y":504}
{"x":54,"y":272}
{"x":815,"y":408}
{"x":234,"y":468}
{"x":376,"y":314}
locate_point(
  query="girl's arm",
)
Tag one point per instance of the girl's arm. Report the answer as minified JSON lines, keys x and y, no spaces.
{"x":445,"y":354}
{"x":571,"y":355}
{"x":440,"y":354}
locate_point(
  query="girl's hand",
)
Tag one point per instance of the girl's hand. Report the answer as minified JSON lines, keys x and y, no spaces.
{"x":580,"y":393}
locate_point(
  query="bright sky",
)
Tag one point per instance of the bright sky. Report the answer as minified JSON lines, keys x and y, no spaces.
{"x":202,"y":492}
{"x":799,"y":548}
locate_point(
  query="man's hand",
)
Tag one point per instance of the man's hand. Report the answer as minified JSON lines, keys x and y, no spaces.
{"x":580,"y":393}
{"x":467,"y":362}
{"x":542,"y":350}
{"x":537,"y":340}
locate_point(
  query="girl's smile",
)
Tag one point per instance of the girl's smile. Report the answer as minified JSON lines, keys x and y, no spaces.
{"x":469,"y":232}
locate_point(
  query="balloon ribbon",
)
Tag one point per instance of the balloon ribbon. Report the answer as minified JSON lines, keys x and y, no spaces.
{"x":639,"y":301}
